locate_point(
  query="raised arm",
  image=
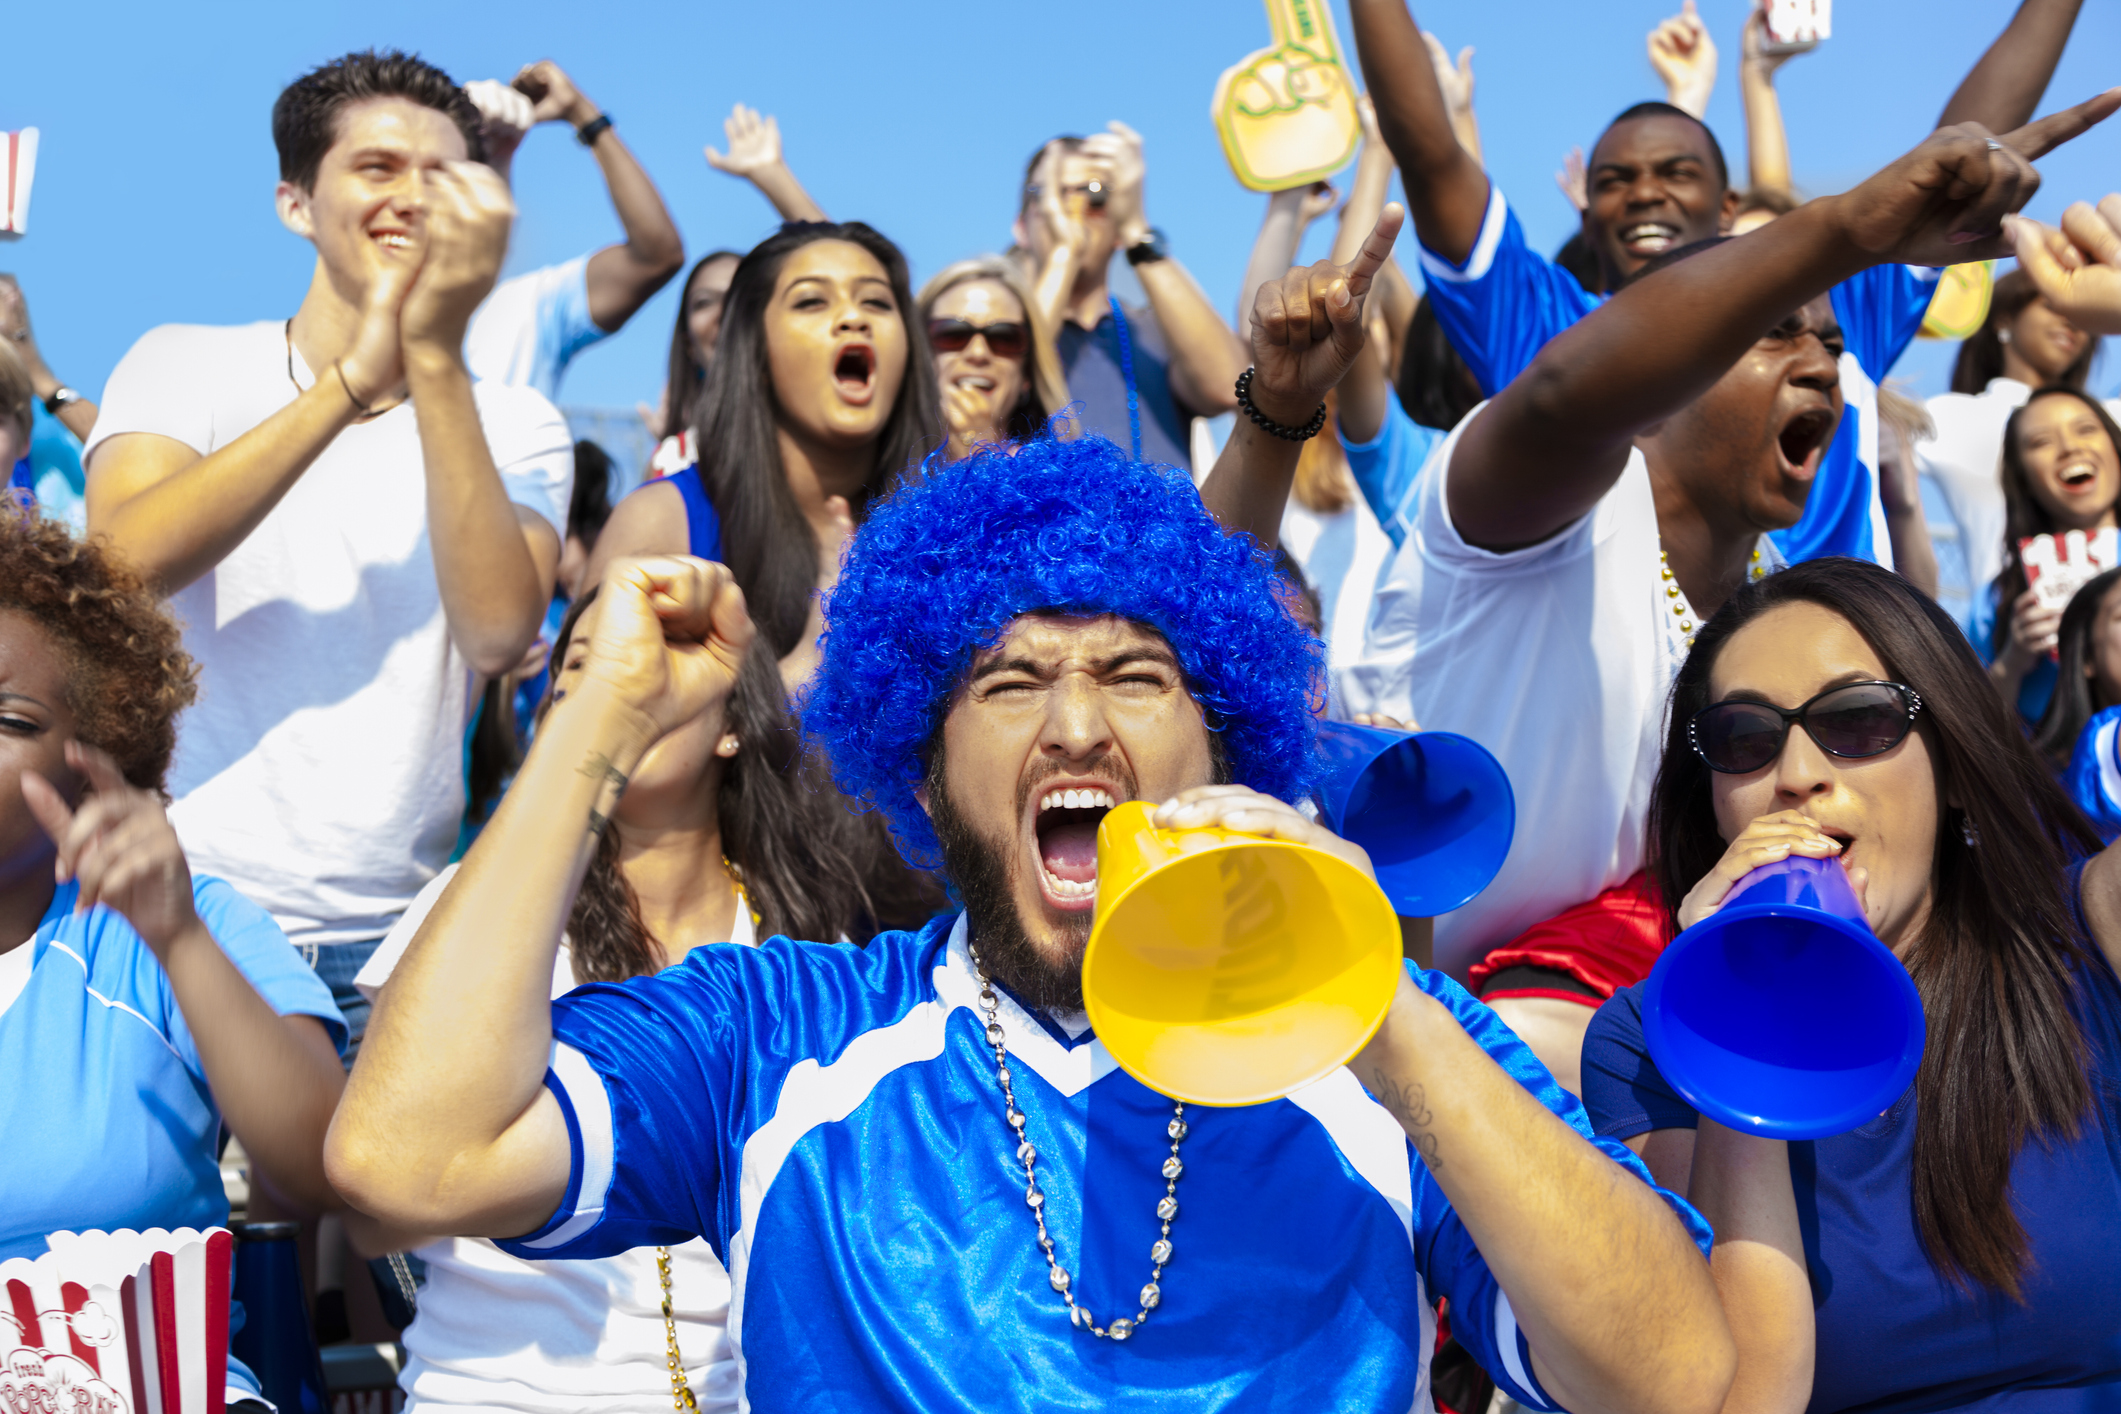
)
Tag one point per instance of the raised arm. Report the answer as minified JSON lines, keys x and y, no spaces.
{"x":2004,"y":87}
{"x":1205,"y":356}
{"x":621,"y":277}
{"x":1556,"y":439}
{"x":1767,"y":145}
{"x":1281,"y":235}
{"x":447,"y":1125}
{"x":78,"y":416}
{"x":755,"y":155}
{"x":1307,"y":329}
{"x":1684,"y":57}
{"x":1447,"y":192}
{"x":1364,"y":391}
{"x":2077,"y":268}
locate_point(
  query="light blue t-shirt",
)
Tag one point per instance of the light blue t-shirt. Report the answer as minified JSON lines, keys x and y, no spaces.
{"x":1387,"y":468}
{"x":111,"y":1121}
{"x":829,"y":1118}
{"x":531,"y":327}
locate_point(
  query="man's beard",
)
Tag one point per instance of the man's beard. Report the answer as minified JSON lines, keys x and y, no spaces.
{"x":980,"y":871}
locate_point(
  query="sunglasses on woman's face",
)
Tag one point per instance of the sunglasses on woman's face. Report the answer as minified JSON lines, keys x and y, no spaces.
{"x":1852,"y":722}
{"x":1005,"y":340}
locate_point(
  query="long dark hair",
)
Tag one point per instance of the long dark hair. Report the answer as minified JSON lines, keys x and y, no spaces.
{"x":1435,"y":386}
{"x":782,"y":828}
{"x":685,"y":374}
{"x":1980,"y":359}
{"x":766,"y":542}
{"x":2023,"y":515}
{"x":2073,"y":703}
{"x":2006,"y":1059}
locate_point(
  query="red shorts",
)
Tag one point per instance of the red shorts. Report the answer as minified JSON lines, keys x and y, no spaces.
{"x":1604,"y":943}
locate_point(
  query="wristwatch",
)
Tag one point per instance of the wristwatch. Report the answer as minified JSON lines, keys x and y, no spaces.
{"x":61,"y":397}
{"x":589,"y":132}
{"x":1154,"y":246}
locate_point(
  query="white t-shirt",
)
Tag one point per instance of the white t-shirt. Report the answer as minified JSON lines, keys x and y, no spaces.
{"x":1966,"y":457}
{"x":321,"y":770}
{"x":496,"y":1332}
{"x":531,"y":326}
{"x":1558,"y":658}
{"x":1342,"y":556}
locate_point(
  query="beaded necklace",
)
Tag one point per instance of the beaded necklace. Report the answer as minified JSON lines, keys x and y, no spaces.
{"x":1674,"y":596}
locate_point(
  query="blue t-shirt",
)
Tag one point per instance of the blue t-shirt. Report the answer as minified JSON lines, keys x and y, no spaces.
{"x":1507,"y":300}
{"x":2037,"y":688}
{"x":106,"y":1099}
{"x":2094,"y":778}
{"x":830,"y":1119}
{"x":1894,"y":1336}
{"x":1091,"y":362}
{"x":1387,"y":468}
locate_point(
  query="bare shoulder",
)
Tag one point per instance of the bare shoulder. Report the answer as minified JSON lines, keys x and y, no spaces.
{"x":2102,"y":902}
{"x":649,"y":521}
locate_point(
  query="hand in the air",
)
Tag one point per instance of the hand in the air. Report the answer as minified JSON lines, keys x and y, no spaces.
{"x":1245,"y":810}
{"x":552,"y":94}
{"x":1307,"y":327}
{"x":1768,"y":840}
{"x":120,"y":846}
{"x":671,"y":633}
{"x":1685,"y":58}
{"x":461,"y":239}
{"x":2034,"y":630}
{"x":1944,"y":203}
{"x":508,"y":114}
{"x":754,"y":143}
{"x":1455,"y":79}
{"x":1119,"y":150}
{"x":2077,"y":268}
{"x":1573,"y":180}
{"x":1753,"y":50}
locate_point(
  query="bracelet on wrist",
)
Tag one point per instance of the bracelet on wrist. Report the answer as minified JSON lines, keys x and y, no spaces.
{"x":1267,"y":424}
{"x":360,"y":407}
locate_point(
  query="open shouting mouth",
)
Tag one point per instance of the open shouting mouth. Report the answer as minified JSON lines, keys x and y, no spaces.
{"x":1064,"y":821}
{"x":1803,"y":441}
{"x":854,"y":373}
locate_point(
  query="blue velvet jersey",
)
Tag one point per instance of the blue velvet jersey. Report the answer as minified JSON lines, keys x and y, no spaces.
{"x":1507,"y":300}
{"x":829,"y":1118}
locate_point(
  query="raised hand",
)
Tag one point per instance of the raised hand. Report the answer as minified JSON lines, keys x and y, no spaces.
{"x":1119,"y":148}
{"x":1944,"y":203}
{"x":119,"y":845}
{"x":670,"y":637}
{"x":553,"y":96}
{"x":1753,"y":51}
{"x":2077,"y":268}
{"x":754,"y":143}
{"x":1307,"y":327}
{"x":1317,"y":200}
{"x":1456,"y":80}
{"x":508,"y":112}
{"x":1685,"y":58}
{"x":1573,"y":180}
{"x":461,"y":238}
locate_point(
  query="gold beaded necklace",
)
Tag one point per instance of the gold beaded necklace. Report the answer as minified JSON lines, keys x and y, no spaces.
{"x":1676,"y":597}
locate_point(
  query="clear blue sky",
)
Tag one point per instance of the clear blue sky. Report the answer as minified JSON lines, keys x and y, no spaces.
{"x":154,"y":191}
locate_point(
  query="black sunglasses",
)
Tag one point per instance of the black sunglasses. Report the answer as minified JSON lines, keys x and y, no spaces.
{"x":1005,"y":340}
{"x":1852,"y":722}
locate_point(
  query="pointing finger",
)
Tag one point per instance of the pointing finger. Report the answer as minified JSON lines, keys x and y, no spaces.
{"x":1376,"y":249}
{"x":52,"y":813}
{"x":2043,"y":135}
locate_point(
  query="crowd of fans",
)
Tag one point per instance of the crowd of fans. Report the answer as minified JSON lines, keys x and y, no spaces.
{"x":381,"y":796}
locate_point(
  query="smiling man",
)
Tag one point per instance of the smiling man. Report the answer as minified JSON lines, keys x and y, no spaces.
{"x":349,"y":526}
{"x":1657,"y":181}
{"x":933,"y":1188}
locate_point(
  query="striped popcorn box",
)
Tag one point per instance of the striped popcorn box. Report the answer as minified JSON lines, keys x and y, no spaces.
{"x":118,"y":1323}
{"x":18,"y":165}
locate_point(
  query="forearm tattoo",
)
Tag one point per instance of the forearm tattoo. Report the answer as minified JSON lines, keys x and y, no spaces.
{"x":598,"y":767}
{"x":1409,"y":1104}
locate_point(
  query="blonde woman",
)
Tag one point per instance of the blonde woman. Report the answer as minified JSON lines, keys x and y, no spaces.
{"x":994,"y":355}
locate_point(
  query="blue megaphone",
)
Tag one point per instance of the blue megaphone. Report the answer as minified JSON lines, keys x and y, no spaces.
{"x":1434,"y":810}
{"x":1781,"y":1014}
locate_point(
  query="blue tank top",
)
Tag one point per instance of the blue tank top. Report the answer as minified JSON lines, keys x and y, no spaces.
{"x":1894,"y":1336}
{"x":703,"y":528}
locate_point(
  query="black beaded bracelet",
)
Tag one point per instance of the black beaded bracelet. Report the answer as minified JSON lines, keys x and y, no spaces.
{"x":1267,"y":424}
{"x":590,"y":131}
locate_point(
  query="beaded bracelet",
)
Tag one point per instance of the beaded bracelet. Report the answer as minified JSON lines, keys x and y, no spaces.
{"x":1267,"y":424}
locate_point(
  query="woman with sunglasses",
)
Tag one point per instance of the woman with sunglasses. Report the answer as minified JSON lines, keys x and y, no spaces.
{"x":1956,"y":1251}
{"x":819,"y":398}
{"x":994,"y":356}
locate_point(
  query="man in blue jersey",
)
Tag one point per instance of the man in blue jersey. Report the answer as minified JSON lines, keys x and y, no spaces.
{"x":932,"y":1187}
{"x":1657,"y":181}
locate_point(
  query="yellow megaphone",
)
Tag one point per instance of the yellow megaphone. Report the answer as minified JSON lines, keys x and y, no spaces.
{"x":1286,"y":113}
{"x":1226,"y":969}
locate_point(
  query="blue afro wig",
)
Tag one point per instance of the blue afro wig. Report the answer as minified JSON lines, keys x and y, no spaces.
{"x":940,"y":569}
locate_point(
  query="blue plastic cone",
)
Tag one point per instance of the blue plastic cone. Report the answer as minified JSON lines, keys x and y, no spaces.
{"x":1434,"y":810}
{"x":1781,"y":1014}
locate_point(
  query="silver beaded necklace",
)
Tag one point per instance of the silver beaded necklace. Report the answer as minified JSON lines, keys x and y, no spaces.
{"x":1152,"y":1294}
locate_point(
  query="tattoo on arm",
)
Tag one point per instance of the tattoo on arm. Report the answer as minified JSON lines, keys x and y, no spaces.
{"x":598,"y":767}
{"x":1409,"y":1105}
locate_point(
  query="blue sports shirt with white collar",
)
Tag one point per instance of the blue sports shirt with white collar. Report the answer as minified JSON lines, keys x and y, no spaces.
{"x":830,"y":1119}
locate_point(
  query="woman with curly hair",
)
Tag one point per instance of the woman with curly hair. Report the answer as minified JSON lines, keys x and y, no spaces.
{"x":141,"y":1007}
